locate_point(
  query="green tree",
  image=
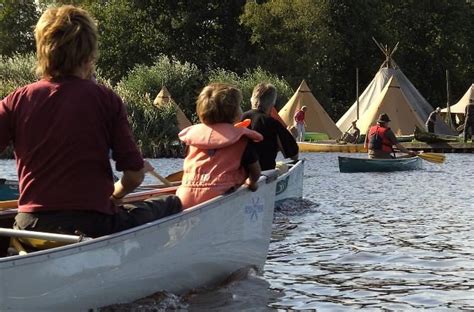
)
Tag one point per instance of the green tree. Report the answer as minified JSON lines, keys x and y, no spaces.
{"x":356,"y":23}
{"x":205,"y":33}
{"x":434,"y":36}
{"x":17,"y":20}
{"x":295,"y":39}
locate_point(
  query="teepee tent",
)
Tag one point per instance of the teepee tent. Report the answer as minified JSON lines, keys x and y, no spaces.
{"x":460,"y":106}
{"x":163,"y":98}
{"x":369,"y":97}
{"x":393,"y":102}
{"x":317,"y":120}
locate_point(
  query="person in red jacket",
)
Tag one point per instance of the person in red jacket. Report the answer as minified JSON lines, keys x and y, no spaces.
{"x":380,"y":140}
{"x":220,"y":156}
{"x":63,"y":128}
{"x":300,"y":124}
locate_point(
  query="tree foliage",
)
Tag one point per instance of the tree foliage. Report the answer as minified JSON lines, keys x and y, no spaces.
{"x":320,"y":41}
{"x":17,"y":19}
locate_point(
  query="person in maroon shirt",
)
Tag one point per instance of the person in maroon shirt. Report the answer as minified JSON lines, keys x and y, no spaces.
{"x":63,"y":128}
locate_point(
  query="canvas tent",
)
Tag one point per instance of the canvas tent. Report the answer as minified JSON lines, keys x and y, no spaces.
{"x":419,"y":106}
{"x":163,"y":98}
{"x":460,"y":106}
{"x":317,"y":119}
{"x":392,"y":101}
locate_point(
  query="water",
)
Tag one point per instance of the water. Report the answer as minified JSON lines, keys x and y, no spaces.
{"x":358,"y":241}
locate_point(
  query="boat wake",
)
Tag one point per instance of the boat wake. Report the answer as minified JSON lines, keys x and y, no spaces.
{"x":158,"y":302}
{"x":230,"y":295}
{"x":294,"y":207}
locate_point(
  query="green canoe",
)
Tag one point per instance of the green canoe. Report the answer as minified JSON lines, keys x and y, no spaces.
{"x":8,"y":189}
{"x":351,"y":164}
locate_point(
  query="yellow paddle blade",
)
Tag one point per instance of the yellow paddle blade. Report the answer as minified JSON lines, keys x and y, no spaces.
{"x":175,"y":177}
{"x":8,"y":204}
{"x":433,"y":157}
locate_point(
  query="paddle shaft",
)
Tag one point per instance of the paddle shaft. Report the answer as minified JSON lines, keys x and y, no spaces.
{"x":40,"y":235}
{"x":159,"y":177}
{"x":132,"y":197}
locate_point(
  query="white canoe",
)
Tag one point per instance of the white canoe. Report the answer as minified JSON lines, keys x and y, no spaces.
{"x":290,"y":184}
{"x":198,"y":247}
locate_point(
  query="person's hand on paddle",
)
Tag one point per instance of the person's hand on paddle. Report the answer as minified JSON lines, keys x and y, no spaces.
{"x":117,"y":201}
{"x":251,"y":185}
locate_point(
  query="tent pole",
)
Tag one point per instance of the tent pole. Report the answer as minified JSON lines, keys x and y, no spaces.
{"x":357,"y":91}
{"x":449,"y":119}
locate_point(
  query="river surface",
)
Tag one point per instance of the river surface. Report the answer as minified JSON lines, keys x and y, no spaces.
{"x":399,"y":241}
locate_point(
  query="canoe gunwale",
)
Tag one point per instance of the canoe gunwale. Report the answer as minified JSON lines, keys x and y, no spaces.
{"x":96,"y":243}
{"x":378,"y":165}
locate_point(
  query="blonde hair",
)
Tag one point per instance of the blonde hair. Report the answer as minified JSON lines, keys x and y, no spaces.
{"x":263,"y":96}
{"x":218,"y":103}
{"x":66,"y":39}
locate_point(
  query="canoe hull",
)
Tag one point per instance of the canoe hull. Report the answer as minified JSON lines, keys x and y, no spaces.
{"x":290,"y":184}
{"x":351,"y":164}
{"x":196,"y":248}
{"x":8,"y":190}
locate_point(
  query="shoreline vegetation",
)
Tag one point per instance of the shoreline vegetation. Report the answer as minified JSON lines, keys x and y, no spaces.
{"x":183,"y":46}
{"x":154,"y":127}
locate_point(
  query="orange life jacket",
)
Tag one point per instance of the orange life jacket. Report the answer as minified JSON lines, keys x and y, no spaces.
{"x":212,"y":164}
{"x":378,"y":139}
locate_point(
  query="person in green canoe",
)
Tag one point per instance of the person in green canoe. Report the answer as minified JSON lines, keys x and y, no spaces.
{"x":380,"y":140}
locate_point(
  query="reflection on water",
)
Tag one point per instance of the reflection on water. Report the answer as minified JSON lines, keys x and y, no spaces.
{"x":395,"y":241}
{"x":372,"y":241}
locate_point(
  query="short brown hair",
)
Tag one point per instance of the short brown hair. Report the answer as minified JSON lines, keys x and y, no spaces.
{"x":218,"y":103}
{"x":66,"y":38}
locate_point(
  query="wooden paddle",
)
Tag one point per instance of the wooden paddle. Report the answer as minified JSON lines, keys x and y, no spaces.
{"x":132,"y":197}
{"x":433,"y":157}
{"x":175,"y":177}
{"x":159,"y":177}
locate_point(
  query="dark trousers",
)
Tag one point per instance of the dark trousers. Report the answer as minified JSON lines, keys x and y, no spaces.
{"x":95,"y":224}
{"x":468,"y":126}
{"x":430,"y":126}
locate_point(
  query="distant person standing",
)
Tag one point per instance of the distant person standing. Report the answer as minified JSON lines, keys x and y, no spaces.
{"x":300,"y":124}
{"x":430,"y":122}
{"x":469,"y":120}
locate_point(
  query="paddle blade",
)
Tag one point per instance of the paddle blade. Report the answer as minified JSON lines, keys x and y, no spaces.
{"x":433,"y":157}
{"x":8,"y":204}
{"x":175,"y":177}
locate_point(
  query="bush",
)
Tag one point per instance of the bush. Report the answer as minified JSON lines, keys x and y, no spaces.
{"x":154,"y":128}
{"x":16,"y":71}
{"x":182,"y":80}
{"x":249,"y":80}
